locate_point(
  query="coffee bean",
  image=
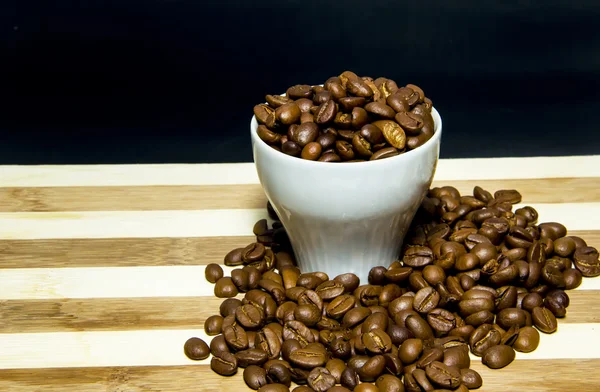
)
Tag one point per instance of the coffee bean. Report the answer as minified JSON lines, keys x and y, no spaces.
{"x":336,"y":367}
{"x":389,"y":383}
{"x":360,"y":117}
{"x":309,"y":315}
{"x":255,"y":376}
{"x":312,"y":151}
{"x":410,"y":350}
{"x":251,"y":356}
{"x":218,"y":344}
{"x":196,"y":349}
{"x":426,"y":300}
{"x":470,"y":378}
{"x":377,"y":341}
{"x":484,"y":337}
{"x":573,"y":279}
{"x":430,"y":355}
{"x":308,"y":358}
{"x":544,"y":320}
{"x":509,"y":317}
{"x":422,"y":380}
{"x":586,"y":261}
{"x":499,"y":356}
{"x":279,"y":374}
{"x":372,"y":368}
{"x":458,"y":357}
{"x":349,"y":378}
{"x":411,"y":123}
{"x":300,"y":91}
{"x":419,"y":327}
{"x":349,"y":103}
{"x":274,"y":388}
{"x":441,"y":320}
{"x":213,"y":272}
{"x":380,"y":110}
{"x":213,"y":325}
{"x":224,"y":363}
{"x":225,"y":288}
{"x":268,"y":341}
{"x":326,"y":112}
{"x":443,"y":376}
{"x":384,"y":153}
{"x":320,"y":380}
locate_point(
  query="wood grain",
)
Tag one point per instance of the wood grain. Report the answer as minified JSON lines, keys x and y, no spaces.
{"x":126,"y":314}
{"x":129,"y":252}
{"x":525,"y":375}
{"x":193,"y":197}
{"x":124,"y":252}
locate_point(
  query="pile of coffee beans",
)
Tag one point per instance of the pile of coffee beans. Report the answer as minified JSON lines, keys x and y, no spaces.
{"x":348,"y":119}
{"x":473,"y":277}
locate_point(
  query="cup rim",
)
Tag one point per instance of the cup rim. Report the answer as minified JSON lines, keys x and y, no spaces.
{"x":266,"y":149}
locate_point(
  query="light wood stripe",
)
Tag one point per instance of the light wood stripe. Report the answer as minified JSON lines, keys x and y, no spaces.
{"x":131,"y":252}
{"x":164,"y":347}
{"x":556,"y":375}
{"x":233,"y":196}
{"x":105,"y":282}
{"x":133,"y":282}
{"x":111,"y":314}
{"x":123,"y":252}
{"x":128,"y":224}
{"x":206,"y":223}
{"x":245,"y":173}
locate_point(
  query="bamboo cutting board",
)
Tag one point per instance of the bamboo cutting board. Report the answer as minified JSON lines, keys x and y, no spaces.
{"x":102,"y":270}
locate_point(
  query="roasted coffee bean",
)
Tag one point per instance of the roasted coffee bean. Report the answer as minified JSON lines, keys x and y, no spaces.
{"x":288,"y":113}
{"x":251,"y":356}
{"x":213,"y":325}
{"x":573,"y":279}
{"x":213,"y":272}
{"x":458,"y":357}
{"x":430,"y":355}
{"x":509,"y":317}
{"x":320,"y":379}
{"x":269,"y":341}
{"x":422,"y":380}
{"x":380,"y":110}
{"x":470,"y":378}
{"x":389,"y":383}
{"x":544,"y":320}
{"x":443,"y":376}
{"x":274,"y":388}
{"x":309,"y":315}
{"x":377,"y":320}
{"x":484,"y":337}
{"x":349,"y":378}
{"x":377,"y":341}
{"x":441,"y":320}
{"x":234,"y":257}
{"x":276,"y":101}
{"x":498,"y":356}
{"x":308,"y":358}
{"x":586,"y":261}
{"x":312,"y":151}
{"x":225,"y":288}
{"x":196,"y":349}
{"x":255,"y":376}
{"x":419,"y":327}
{"x":372,"y":368}
{"x":224,"y":363}
{"x":434,"y":274}
{"x":279,"y":374}
{"x":410,"y":350}
{"x":218,"y":344}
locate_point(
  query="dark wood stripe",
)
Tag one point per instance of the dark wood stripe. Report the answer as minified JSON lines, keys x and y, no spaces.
{"x":555,"y":375}
{"x":195,"y":197}
{"x":103,"y":314}
{"x":117,"y":252}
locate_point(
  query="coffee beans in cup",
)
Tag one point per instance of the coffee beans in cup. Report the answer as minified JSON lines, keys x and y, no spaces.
{"x":474,"y":277}
{"x":348,"y":119}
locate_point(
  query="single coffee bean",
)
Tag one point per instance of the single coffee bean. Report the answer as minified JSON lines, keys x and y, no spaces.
{"x":458,"y":357}
{"x":586,"y":261}
{"x":196,"y":349}
{"x":410,"y":350}
{"x":269,"y":341}
{"x":309,"y":315}
{"x":349,"y":378}
{"x":277,"y":100}
{"x":380,"y":110}
{"x":320,"y":380}
{"x":392,"y":132}
{"x":213,"y":325}
{"x":419,"y":327}
{"x":441,"y":320}
{"x":470,"y":378}
{"x":234,"y":257}
{"x":484,"y":337}
{"x":509,"y":317}
{"x":527,"y":340}
{"x":544,"y":320}
{"x":213,"y":272}
{"x":312,"y":151}
{"x":251,"y":356}
{"x":326,"y":112}
{"x":308,"y":358}
{"x":359,"y":88}
{"x":349,"y":103}
{"x":225,"y":288}
{"x":443,"y":376}
{"x":389,"y":383}
{"x":573,"y":278}
{"x":224,"y":363}
{"x":377,"y":341}
{"x":498,"y":356}
{"x":383,"y":153}
{"x":422,"y":380}
{"x":288,"y":113}
{"x":377,"y":320}
{"x":279,"y":374}
{"x":218,"y":344}
{"x":411,"y":123}
{"x":274,"y":388}
{"x":554,"y":305}
{"x":255,"y":376}
{"x":300,"y":91}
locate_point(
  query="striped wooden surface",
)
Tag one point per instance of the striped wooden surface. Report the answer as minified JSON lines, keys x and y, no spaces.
{"x":102,"y":281}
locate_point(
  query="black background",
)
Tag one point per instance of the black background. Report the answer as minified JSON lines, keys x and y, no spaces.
{"x":124,"y":81}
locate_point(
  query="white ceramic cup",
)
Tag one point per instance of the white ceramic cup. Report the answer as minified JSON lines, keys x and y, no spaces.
{"x":346,"y":217}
